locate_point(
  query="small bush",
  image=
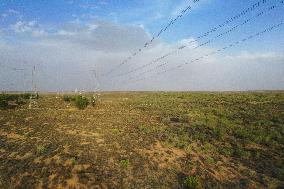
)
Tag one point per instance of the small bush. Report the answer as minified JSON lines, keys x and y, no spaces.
{"x":144,"y":129}
{"x":81,"y":102}
{"x":67,"y":98}
{"x":191,"y":182}
{"x":26,"y":96}
{"x":226,"y":151}
{"x":3,"y":104}
{"x":241,"y":133}
{"x":219,"y":132}
{"x":210,"y":160}
{"x":124,"y":163}
{"x":116,"y":131}
{"x":73,"y":160}
{"x":19,"y":99}
{"x":240,"y":152}
{"x":33,"y":96}
{"x":40,"y":149}
{"x":12,"y":97}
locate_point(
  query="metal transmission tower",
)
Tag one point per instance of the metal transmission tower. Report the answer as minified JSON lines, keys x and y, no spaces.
{"x":33,"y":97}
{"x":96,"y":87}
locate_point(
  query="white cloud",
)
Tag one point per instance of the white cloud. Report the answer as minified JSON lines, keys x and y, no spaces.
{"x":191,"y":42}
{"x":39,"y":32}
{"x":92,"y":27}
{"x":181,"y":6}
{"x":103,"y":36}
{"x":11,"y":13}
{"x":248,"y":56}
{"x":65,"y":33}
{"x":20,"y":27}
{"x":29,"y":27}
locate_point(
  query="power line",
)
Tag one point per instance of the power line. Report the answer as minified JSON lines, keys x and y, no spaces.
{"x":243,"y":13}
{"x":182,"y":13}
{"x":269,"y":29}
{"x":216,"y":37}
{"x":12,"y":67}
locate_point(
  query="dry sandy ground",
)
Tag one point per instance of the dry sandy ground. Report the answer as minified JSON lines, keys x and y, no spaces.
{"x":112,"y":145}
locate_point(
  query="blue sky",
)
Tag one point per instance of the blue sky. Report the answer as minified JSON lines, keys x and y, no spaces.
{"x":39,"y":22}
{"x":152,"y":14}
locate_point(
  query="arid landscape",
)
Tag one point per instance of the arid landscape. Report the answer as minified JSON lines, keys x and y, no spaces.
{"x":144,"y":140}
{"x":141,"y":94}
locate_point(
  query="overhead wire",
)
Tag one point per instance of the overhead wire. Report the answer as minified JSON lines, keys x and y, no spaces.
{"x":269,"y":29}
{"x":216,"y":37}
{"x":182,"y":13}
{"x":230,"y":20}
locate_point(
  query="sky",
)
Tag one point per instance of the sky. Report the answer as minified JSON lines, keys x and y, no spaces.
{"x":64,"y":45}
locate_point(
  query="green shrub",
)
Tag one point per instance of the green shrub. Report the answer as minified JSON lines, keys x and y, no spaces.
{"x":210,"y":160}
{"x":40,"y":150}
{"x":5,"y":98}
{"x":241,"y":133}
{"x":81,"y":102}
{"x":2,"y":97}
{"x":16,"y":98}
{"x":34,"y":96}
{"x":26,"y":95}
{"x":218,"y":132}
{"x":20,"y":101}
{"x":144,"y":129}
{"x":73,"y":160}
{"x":191,"y":182}
{"x":124,"y":163}
{"x":3,"y":104}
{"x":12,"y":97}
{"x":116,"y":131}
{"x":67,"y":98}
{"x":29,"y":96}
{"x":240,"y":152}
{"x":225,"y":150}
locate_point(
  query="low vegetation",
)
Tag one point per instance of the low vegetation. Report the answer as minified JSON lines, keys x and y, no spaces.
{"x":124,"y":163}
{"x":191,"y":182}
{"x":145,"y":140}
{"x":81,"y":102}
{"x":12,"y":100}
{"x":68,"y":98}
{"x":40,"y":150}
